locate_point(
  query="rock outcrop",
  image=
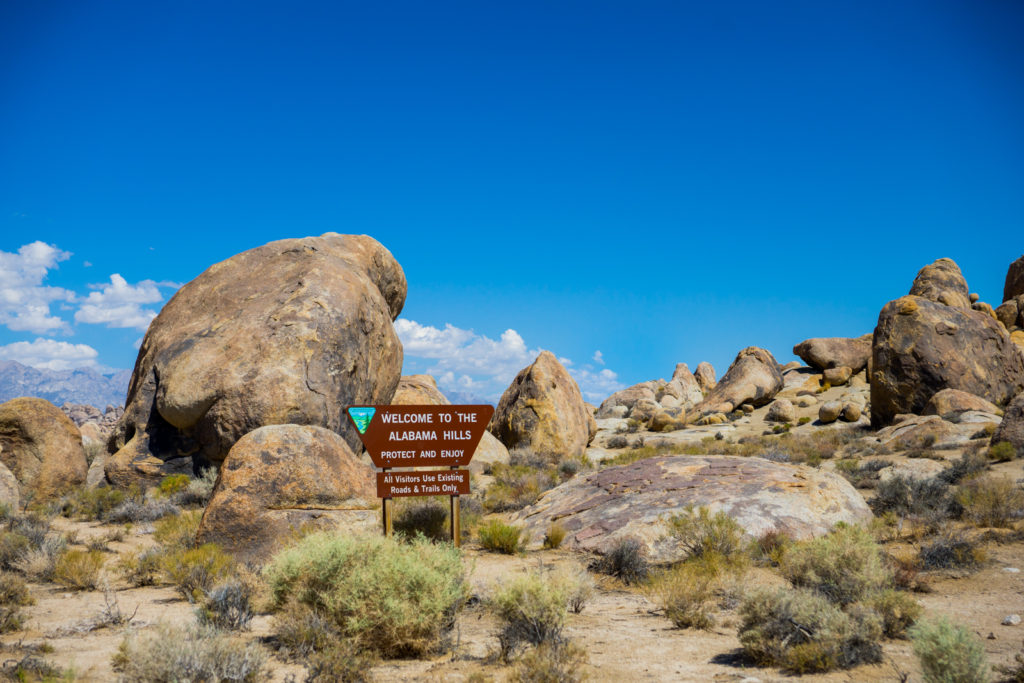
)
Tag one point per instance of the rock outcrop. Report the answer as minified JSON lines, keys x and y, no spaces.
{"x":10,"y":492}
{"x":922,"y":347}
{"x":621,"y":403}
{"x":822,"y":353}
{"x":1012,"y":427}
{"x":781,"y":410}
{"x":543,"y":411}
{"x":1014,"y":285}
{"x":290,"y":332}
{"x":41,"y":447}
{"x":753,"y":378}
{"x":705,"y":376}
{"x":684,"y":387}
{"x":602,"y":508}
{"x":942,"y":282}
{"x":953,"y":401}
{"x":422,"y":390}
{"x":279,"y":479}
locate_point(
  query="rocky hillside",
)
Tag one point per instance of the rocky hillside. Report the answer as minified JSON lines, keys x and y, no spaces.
{"x":63,"y":386}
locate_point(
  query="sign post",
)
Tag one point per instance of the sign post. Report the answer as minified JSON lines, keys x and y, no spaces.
{"x":421,"y":436}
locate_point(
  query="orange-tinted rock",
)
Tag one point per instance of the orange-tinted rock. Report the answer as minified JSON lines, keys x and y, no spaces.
{"x":754,"y":377}
{"x":822,"y":353}
{"x":41,"y":447}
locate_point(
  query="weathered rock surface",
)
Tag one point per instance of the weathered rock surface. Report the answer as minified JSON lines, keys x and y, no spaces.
{"x":922,"y":347}
{"x":1014,"y":285}
{"x":422,"y":390}
{"x":626,"y":398}
{"x":10,"y":495}
{"x":830,"y":411}
{"x":753,"y":378}
{"x":684,"y":386}
{"x":1012,"y":427}
{"x":41,"y":447}
{"x":705,"y":376}
{"x":928,"y":431}
{"x":850,"y":412}
{"x":822,"y":353}
{"x":290,"y":332}
{"x":1011,"y":313}
{"x":942,"y":282}
{"x":837,"y":376}
{"x":781,"y":410}
{"x":543,"y":411}
{"x":607,"y":506}
{"x":952,"y":401}
{"x":280,"y":478}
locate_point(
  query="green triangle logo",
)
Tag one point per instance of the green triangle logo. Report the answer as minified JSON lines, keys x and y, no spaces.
{"x":361,"y":417}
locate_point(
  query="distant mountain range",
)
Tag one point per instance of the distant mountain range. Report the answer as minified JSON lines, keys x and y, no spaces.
{"x":63,"y":386}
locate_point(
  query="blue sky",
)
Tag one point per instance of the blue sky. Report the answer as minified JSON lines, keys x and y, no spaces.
{"x":660,"y":182}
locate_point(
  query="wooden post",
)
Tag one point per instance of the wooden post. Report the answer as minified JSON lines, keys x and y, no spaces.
{"x":456,"y":522}
{"x":386,"y":504}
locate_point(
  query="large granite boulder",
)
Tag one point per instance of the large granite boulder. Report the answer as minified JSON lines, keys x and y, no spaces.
{"x":922,"y":347}
{"x":942,"y":282}
{"x":290,"y":332}
{"x":543,"y":411}
{"x":626,"y":398}
{"x":600,"y":509}
{"x":822,"y":353}
{"x":754,"y":377}
{"x":705,"y":376}
{"x":1012,"y":427}
{"x":950,"y":402}
{"x":421,"y":390}
{"x":41,"y":447}
{"x":279,"y":479}
{"x":1014,"y":285}
{"x":684,"y":387}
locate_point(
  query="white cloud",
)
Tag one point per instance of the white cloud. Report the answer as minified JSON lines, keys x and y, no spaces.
{"x":465,"y":361}
{"x":24,"y":300}
{"x":119,"y":304}
{"x":598,"y":357}
{"x":51,"y":354}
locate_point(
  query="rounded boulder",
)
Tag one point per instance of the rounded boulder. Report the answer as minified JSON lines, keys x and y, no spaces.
{"x":41,"y":447}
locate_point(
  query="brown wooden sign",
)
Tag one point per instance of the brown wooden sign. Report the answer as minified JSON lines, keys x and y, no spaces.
{"x":397,"y":483}
{"x":421,"y":436}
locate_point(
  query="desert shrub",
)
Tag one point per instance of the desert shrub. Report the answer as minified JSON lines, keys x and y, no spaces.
{"x":625,"y":560}
{"x":555,"y":535}
{"x":770,"y":547}
{"x":897,"y":609}
{"x":14,"y":590}
{"x":199,"y":489}
{"x":991,"y":501}
{"x":195,"y":653}
{"x":142,"y":568}
{"x":928,"y":501}
{"x":228,"y":606}
{"x":948,"y":652}
{"x":803,"y":420}
{"x":302,"y":630}
{"x":700,"y":533}
{"x":551,"y":663}
{"x":863,"y":475}
{"x":178,"y":531}
{"x":38,"y":563}
{"x":1013,"y":673}
{"x":967,"y":466}
{"x":141,"y":510}
{"x":340,"y":662}
{"x":1002,"y":452}
{"x":85,"y":503}
{"x":193,"y":571}
{"x":684,"y":593}
{"x":389,"y":597}
{"x":78,"y":569}
{"x":580,"y":589}
{"x":12,"y":547}
{"x":517,"y":485}
{"x":618,"y":441}
{"x":499,"y":537}
{"x":802,"y":631}
{"x":173,"y":483}
{"x":428,"y":517}
{"x":951,"y":549}
{"x":532,"y":608}
{"x":845,"y":566}
{"x":33,"y":527}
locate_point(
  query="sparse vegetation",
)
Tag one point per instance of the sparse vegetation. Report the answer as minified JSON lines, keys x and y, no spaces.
{"x":897,"y":609}
{"x":685,"y":594}
{"x":499,"y":537}
{"x":951,"y":549}
{"x":845,"y":566}
{"x":79,"y":569}
{"x":992,"y":501}
{"x":227,"y":606}
{"x":625,"y":560}
{"x":700,"y":533}
{"x":424,"y":516}
{"x":194,"y":571}
{"x":532,"y":608}
{"x":948,"y":652}
{"x":551,"y":663}
{"x":392,"y":598}
{"x":1002,"y":452}
{"x":555,"y":535}
{"x":195,"y":653}
{"x":969,"y":464}
{"x":517,"y":485}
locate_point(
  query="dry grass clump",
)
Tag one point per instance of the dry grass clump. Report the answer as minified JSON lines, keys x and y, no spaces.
{"x":991,"y":501}
{"x":517,"y":485}
{"x":897,"y":609}
{"x":499,"y":537}
{"x":845,"y":566}
{"x":949,"y":653}
{"x":951,"y":549}
{"x":533,"y":608}
{"x":388,"y":597}
{"x":548,"y":663}
{"x":90,"y":504}
{"x":198,"y":490}
{"x":194,"y":571}
{"x":626,"y":560}
{"x":685,"y":593}
{"x":424,"y":516}
{"x":79,"y":569}
{"x":178,"y":531}
{"x":555,"y":535}
{"x":194,"y":653}
{"x":14,"y":595}
{"x":227,"y":606}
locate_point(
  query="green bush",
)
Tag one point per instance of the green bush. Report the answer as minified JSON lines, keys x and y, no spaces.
{"x":91,"y":504}
{"x":178,"y":532}
{"x":390,"y":597}
{"x":194,"y":571}
{"x":1002,"y":452}
{"x":195,"y":653}
{"x":555,"y":535}
{"x":532,"y":608}
{"x":802,"y":631}
{"x":845,"y":566}
{"x":700,"y":533}
{"x":500,"y":537}
{"x":79,"y":569}
{"x":897,"y":609}
{"x":948,"y":652}
{"x":173,"y":483}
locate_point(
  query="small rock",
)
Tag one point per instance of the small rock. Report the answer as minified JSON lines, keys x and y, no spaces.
{"x":747,"y":408}
{"x":1011,"y":570}
{"x":851,"y":412}
{"x":991,"y":636}
{"x":781,"y":410}
{"x":974,"y":297}
{"x":1011,"y":620}
{"x":838,"y":376}
{"x":830,"y":411}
